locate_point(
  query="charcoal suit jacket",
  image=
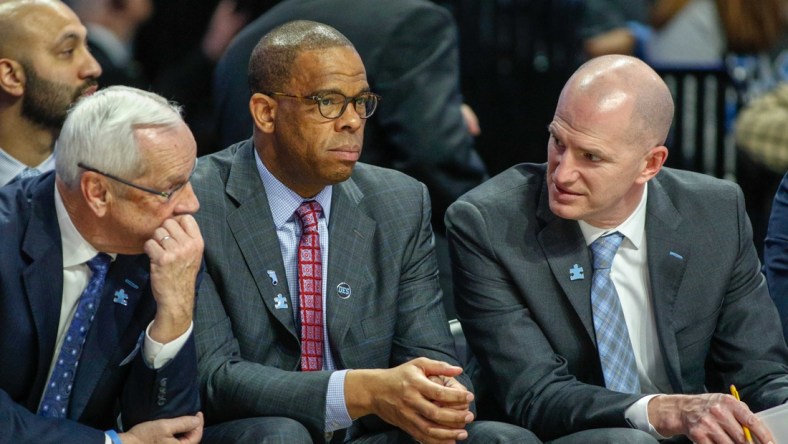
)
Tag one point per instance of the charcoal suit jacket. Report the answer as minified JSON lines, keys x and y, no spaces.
{"x":380,"y":253}
{"x":530,"y":323}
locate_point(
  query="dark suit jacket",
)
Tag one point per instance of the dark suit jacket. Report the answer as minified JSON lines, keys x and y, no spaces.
{"x":410,"y":51}
{"x":380,"y":245}
{"x":112,"y":377}
{"x":531,"y":326}
{"x":775,"y":253}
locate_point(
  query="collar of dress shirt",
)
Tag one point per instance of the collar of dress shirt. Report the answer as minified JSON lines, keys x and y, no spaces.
{"x":283,"y":201}
{"x":76,"y":250}
{"x":118,"y":53}
{"x":633,"y":228}
{"x":10,"y":167}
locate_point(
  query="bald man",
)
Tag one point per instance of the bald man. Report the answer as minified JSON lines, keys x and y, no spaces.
{"x":609,"y":299}
{"x":45,"y":67}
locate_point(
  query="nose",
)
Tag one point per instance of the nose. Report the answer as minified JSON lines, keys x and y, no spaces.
{"x":90,"y":67}
{"x":563,"y":167}
{"x":349,"y":120}
{"x":187,"y":201}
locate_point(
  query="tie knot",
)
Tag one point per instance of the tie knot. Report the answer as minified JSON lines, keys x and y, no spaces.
{"x":604,"y":249}
{"x":26,"y":173}
{"x":308,"y":213}
{"x":100,"y":264}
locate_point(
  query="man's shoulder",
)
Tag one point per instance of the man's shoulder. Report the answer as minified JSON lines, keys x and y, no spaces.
{"x":17,"y":199}
{"x":522,"y":180}
{"x":692,"y":186}
{"x":219,"y":164}
{"x":371,"y":179}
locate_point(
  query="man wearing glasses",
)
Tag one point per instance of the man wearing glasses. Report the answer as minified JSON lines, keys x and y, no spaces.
{"x":97,"y":281}
{"x":320,"y":317}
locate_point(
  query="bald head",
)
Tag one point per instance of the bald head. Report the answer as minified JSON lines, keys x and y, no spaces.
{"x":20,"y":21}
{"x":617,"y":83}
{"x":273,"y":57}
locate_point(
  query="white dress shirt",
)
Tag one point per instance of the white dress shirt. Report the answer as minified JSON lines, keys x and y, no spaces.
{"x":630,"y":276}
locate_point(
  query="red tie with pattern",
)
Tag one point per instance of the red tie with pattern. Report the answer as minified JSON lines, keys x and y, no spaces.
{"x":310,"y":287}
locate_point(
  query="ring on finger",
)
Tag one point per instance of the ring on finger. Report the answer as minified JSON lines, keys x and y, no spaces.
{"x":164,"y":238}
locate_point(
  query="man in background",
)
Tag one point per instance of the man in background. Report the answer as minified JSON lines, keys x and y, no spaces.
{"x":45,"y":66}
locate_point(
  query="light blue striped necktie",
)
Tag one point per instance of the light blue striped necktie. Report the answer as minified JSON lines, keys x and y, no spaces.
{"x":612,"y":337}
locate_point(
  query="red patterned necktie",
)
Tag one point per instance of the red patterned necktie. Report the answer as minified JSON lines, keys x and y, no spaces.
{"x":310,"y":287}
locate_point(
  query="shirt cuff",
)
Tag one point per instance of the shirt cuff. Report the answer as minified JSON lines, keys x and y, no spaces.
{"x":157,"y":355}
{"x":107,"y":439}
{"x":637,"y":417}
{"x":337,"y":416}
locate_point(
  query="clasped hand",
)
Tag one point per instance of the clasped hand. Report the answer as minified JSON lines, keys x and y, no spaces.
{"x":420,"y":396}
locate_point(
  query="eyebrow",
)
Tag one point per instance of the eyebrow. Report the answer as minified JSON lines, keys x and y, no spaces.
{"x":70,"y":36}
{"x":177,"y":179}
{"x":366,"y":89}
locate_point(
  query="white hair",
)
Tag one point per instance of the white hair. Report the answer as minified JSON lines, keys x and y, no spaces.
{"x":99,"y":132}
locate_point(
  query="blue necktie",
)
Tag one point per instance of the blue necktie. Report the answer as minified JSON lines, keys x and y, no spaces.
{"x":58,"y":391}
{"x":612,"y":337}
{"x":24,"y":174}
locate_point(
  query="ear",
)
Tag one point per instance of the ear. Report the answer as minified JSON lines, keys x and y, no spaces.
{"x":653,"y":160}
{"x":263,"y":109}
{"x":12,"y":77}
{"x":96,"y":192}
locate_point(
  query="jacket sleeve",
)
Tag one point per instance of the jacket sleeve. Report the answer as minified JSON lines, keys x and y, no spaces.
{"x":20,"y":425}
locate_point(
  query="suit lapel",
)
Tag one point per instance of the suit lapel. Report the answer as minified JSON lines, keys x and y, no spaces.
{"x":117,"y":328}
{"x":252,"y":225}
{"x":667,"y":259}
{"x":351,"y":233}
{"x":43,"y":278}
{"x":564,"y":247}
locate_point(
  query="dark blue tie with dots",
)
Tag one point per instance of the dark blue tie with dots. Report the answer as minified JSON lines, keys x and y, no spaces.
{"x":58,"y":390}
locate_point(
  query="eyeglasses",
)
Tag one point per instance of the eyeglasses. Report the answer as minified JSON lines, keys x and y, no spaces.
{"x":165,"y":194}
{"x":333,"y":105}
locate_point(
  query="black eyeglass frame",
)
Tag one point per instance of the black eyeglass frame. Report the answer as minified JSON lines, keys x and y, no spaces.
{"x":165,"y":194}
{"x":317,"y":98}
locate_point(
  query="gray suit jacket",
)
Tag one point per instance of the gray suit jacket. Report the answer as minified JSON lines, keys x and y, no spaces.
{"x":531,"y":326}
{"x":380,"y":245}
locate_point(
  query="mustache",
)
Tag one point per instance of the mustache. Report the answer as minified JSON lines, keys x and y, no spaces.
{"x":91,"y":82}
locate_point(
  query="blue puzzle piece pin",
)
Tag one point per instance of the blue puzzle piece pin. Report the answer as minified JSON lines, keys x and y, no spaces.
{"x":576,"y":273}
{"x":121,"y":297}
{"x":281,"y":302}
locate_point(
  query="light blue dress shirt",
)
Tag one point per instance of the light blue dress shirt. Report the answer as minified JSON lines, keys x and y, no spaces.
{"x":10,"y":167}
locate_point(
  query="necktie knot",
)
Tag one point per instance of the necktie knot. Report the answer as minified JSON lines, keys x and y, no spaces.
{"x":100,"y":264}
{"x":604,"y":250}
{"x":26,"y":173}
{"x":308,"y":213}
